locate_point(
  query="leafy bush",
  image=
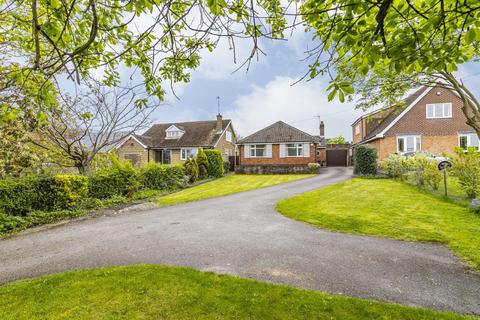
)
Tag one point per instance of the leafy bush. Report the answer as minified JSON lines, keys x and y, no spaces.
{"x":119,"y":179}
{"x":9,"y":223}
{"x":215,"y":163}
{"x":313,"y":166}
{"x":191,"y":169}
{"x":226,"y":166}
{"x":433,"y":177}
{"x":23,"y":195}
{"x":365,"y":160}
{"x":162,"y":177}
{"x":202,"y":162}
{"x":396,"y":166}
{"x":466,"y":167}
{"x":68,"y":189}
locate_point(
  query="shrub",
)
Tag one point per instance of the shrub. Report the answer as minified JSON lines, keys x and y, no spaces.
{"x":202,"y":162}
{"x":162,"y":177}
{"x":191,"y":169}
{"x":226,"y":166}
{"x":466,"y":167}
{"x":68,"y":189}
{"x":9,"y":223}
{"x":313,"y":167}
{"x":475,"y":206}
{"x":396,"y":166}
{"x":215,"y":163}
{"x":433,"y":177}
{"x":365,"y":160}
{"x":119,"y":179}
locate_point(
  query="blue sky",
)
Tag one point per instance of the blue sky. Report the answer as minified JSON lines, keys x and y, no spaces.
{"x":266,"y":94}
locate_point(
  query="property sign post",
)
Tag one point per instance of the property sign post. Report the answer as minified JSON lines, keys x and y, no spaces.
{"x":443,"y":166}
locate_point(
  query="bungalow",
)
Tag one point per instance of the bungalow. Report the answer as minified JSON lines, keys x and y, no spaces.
{"x":171,"y":143}
{"x":280,"y":148}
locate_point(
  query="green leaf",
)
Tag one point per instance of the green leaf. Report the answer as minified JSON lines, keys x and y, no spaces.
{"x":332,"y":94}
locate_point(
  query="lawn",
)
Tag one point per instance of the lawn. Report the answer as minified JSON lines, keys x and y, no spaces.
{"x":157,"y":292}
{"x":228,"y":185}
{"x":388,"y":208}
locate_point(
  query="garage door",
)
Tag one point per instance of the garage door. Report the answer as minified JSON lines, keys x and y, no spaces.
{"x":337,"y":157}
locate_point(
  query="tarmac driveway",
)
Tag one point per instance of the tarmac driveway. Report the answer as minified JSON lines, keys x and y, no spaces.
{"x":242,"y":234}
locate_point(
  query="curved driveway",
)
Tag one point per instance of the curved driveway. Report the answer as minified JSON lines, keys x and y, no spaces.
{"x":242,"y":234}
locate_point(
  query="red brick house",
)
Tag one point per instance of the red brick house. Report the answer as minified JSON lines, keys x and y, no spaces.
{"x":280,"y":148}
{"x":429,"y":120}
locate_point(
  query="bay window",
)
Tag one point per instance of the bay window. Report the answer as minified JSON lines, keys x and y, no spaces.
{"x":409,"y":144}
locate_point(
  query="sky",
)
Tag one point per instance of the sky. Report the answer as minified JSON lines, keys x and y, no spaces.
{"x":267,"y":92}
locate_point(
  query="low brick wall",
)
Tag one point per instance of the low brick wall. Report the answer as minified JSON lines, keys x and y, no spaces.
{"x":272,"y":169}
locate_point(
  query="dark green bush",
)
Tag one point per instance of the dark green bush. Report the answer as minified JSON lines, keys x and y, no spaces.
{"x":191,"y":169}
{"x":9,"y":223}
{"x":215,"y":163}
{"x":23,"y":195}
{"x":120,"y":179}
{"x":365,"y":160}
{"x":226,"y":166}
{"x":202,"y":162}
{"x":161,"y":177}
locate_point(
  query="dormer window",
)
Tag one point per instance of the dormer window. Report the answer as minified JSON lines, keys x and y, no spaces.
{"x":174,"y":133}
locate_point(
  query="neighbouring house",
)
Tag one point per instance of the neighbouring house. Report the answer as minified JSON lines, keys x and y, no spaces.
{"x":429,"y":120}
{"x":171,"y":143}
{"x":280,"y":148}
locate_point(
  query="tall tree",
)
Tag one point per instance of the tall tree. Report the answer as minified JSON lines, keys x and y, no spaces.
{"x":162,"y":39}
{"x":421,"y":41}
{"x":94,"y":121}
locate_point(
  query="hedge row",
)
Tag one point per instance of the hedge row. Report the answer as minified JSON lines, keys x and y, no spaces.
{"x":20,"y":197}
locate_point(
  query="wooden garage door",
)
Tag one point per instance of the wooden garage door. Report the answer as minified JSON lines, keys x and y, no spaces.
{"x":337,"y":157}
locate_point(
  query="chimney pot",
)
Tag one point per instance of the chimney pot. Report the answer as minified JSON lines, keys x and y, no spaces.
{"x":322,"y":129}
{"x":219,"y":123}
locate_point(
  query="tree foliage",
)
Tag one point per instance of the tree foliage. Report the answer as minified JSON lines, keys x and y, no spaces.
{"x":423,"y":41}
{"x":202,"y":162}
{"x":337,"y":140}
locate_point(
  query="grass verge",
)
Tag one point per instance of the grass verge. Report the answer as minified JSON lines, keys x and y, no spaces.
{"x":228,"y":185}
{"x":388,"y":208}
{"x":157,"y":292}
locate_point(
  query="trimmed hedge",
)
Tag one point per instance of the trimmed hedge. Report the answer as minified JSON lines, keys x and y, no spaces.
{"x":118,"y":180}
{"x":215,"y":163}
{"x":23,"y":195}
{"x":162,"y":177}
{"x":365,"y":160}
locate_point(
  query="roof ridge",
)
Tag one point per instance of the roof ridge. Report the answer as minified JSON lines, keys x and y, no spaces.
{"x":187,"y":122}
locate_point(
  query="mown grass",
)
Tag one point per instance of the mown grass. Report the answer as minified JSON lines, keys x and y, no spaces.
{"x":227,"y":185}
{"x":157,"y":292}
{"x":388,"y":208}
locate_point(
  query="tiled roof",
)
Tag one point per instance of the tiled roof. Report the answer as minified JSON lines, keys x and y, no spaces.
{"x":279,"y":132}
{"x":197,"y":134}
{"x":379,"y":120}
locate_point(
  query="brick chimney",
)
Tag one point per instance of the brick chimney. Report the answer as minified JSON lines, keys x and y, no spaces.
{"x":219,"y":126}
{"x":322,"y":129}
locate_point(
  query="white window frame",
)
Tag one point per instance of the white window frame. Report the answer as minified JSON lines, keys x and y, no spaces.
{"x":469,"y":140}
{"x":445,"y":106}
{"x":297,"y":146}
{"x":255,"y":147}
{"x":415,"y":143}
{"x":357,"y":129}
{"x":184,"y":154}
{"x":229,"y":136}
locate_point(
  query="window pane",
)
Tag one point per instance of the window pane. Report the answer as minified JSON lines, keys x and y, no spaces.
{"x":418,"y":144}
{"x":474,"y":140}
{"x":300,"y":150}
{"x":438,"y":110}
{"x":447,"y":110}
{"x":430,"y":111}
{"x":292,"y":152}
{"x":410,"y":144}
{"x":401,"y":145}
{"x":260,"y":152}
{"x":252,"y":151}
{"x":463,"y":142}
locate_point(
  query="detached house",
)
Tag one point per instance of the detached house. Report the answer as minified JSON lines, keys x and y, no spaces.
{"x":171,"y":143}
{"x":280,"y":148}
{"x":430,"y":120}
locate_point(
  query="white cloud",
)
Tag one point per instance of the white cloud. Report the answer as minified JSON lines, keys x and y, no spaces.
{"x":297,"y":105}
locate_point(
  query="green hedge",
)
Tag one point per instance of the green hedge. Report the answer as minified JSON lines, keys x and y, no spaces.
{"x":215,"y":163}
{"x":191,"y":169}
{"x":162,"y":177}
{"x":202,"y":162}
{"x":118,"y":180}
{"x":23,"y":195}
{"x":365,"y":160}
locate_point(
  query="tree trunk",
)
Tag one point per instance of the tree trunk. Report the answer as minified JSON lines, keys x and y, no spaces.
{"x":471,"y":106}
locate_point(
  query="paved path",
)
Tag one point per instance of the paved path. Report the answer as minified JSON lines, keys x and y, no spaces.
{"x":243,"y":235}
